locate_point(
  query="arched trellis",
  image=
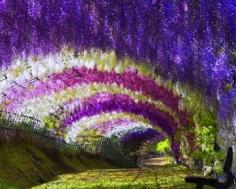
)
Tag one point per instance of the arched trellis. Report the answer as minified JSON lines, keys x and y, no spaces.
{"x":85,"y":86}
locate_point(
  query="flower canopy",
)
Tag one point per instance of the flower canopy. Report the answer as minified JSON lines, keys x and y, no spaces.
{"x":93,"y":91}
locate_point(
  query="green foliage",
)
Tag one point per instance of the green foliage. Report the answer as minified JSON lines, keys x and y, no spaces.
{"x":88,"y":136}
{"x":50,"y":122}
{"x":163,"y":146}
{"x":91,"y":138}
{"x":206,"y":131}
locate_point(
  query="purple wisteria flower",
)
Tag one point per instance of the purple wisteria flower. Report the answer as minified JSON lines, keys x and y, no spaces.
{"x":106,"y":102}
{"x":142,"y":135}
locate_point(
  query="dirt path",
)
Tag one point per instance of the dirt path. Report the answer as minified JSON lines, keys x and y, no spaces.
{"x":155,"y":162}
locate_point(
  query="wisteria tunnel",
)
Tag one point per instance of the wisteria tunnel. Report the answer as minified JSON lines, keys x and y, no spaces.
{"x":138,"y":71}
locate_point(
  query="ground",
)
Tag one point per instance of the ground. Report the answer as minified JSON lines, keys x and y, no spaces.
{"x":30,"y":162}
{"x":169,"y":176}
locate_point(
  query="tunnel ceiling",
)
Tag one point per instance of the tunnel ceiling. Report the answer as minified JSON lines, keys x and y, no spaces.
{"x":91,"y":91}
{"x":108,"y":66}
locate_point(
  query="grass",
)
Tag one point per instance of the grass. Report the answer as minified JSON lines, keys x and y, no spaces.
{"x":5,"y":185}
{"x":168,"y":177}
{"x":29,"y":161}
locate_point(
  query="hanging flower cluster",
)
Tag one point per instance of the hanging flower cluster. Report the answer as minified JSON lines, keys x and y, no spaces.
{"x":106,"y":102}
{"x":110,"y":128}
{"x":141,"y":135}
{"x":104,"y":123}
